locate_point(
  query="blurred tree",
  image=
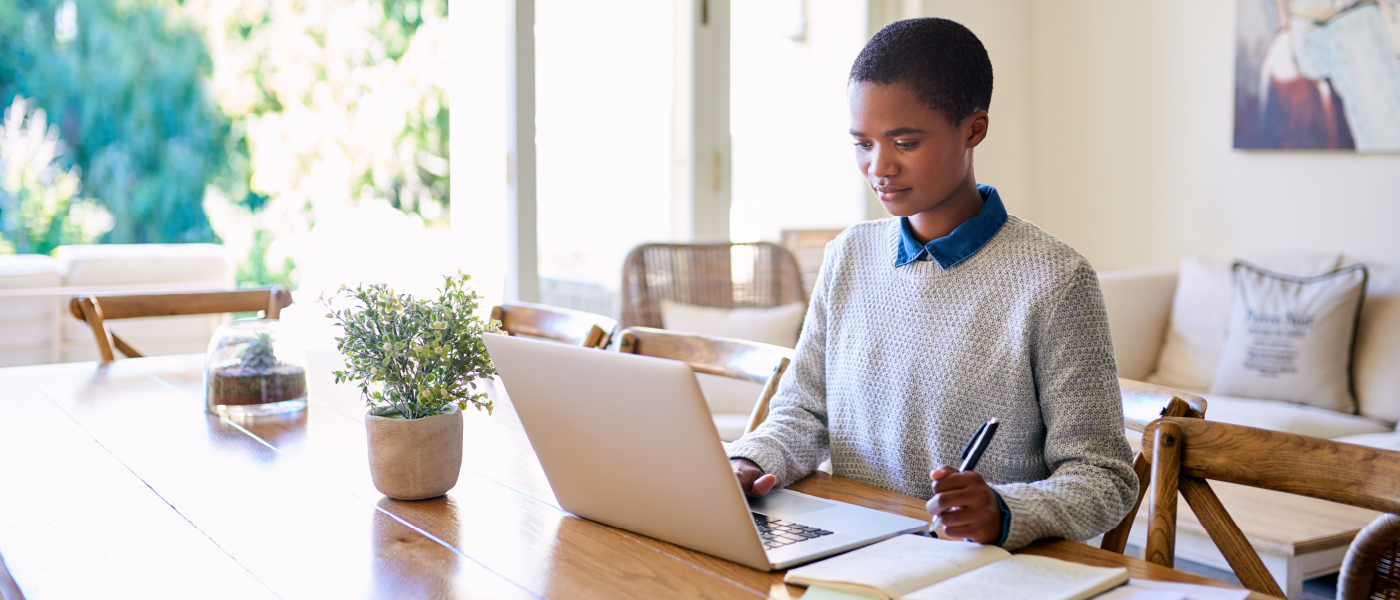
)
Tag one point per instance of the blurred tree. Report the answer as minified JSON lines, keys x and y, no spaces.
{"x":39,"y":204}
{"x":126,"y":84}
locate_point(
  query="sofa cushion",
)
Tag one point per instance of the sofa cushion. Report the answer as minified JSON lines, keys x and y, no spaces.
{"x":1200,"y":310}
{"x":778,"y":326}
{"x":180,"y":266}
{"x":1377,"y":366}
{"x":1291,"y":338}
{"x":1289,"y":417}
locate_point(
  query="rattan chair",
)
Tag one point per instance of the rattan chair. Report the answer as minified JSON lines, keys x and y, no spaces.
{"x":575,"y":327}
{"x":1184,"y":453}
{"x":96,"y":310}
{"x":757,"y":275}
{"x":737,"y":359}
{"x":1371,"y":570}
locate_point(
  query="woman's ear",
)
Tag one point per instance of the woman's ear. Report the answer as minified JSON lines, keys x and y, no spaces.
{"x":974,"y":128}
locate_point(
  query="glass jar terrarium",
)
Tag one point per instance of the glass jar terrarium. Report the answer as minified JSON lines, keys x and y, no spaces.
{"x":244,"y":376}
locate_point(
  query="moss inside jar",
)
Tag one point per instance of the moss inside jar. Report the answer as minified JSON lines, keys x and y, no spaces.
{"x":250,"y":380}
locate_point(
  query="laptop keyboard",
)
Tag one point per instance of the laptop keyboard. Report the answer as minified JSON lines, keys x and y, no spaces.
{"x":777,"y":533}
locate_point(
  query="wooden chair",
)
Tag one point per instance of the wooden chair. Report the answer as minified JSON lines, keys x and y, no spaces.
{"x":1142,"y":404}
{"x":738,"y":359}
{"x":560,"y":324}
{"x":1186,"y":452}
{"x":808,"y":246}
{"x":96,"y":310}
{"x":1371,"y":570}
{"x":757,"y":275}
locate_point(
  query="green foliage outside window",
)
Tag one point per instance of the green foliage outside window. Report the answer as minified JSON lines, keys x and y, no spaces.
{"x":206,"y":120}
{"x":126,"y":86}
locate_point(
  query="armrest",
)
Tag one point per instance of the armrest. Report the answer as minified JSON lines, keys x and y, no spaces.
{"x":1143,"y":403}
{"x":1139,"y":303}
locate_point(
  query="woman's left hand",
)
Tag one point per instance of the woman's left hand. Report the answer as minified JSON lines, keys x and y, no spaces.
{"x":966,"y":505}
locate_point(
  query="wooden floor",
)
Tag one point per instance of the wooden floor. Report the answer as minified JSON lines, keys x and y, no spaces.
{"x":116,"y":483}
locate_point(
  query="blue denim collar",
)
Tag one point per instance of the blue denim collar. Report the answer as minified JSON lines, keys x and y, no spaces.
{"x":962,"y":243}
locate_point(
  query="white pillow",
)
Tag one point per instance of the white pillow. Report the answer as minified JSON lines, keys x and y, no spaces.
{"x":1200,"y":311}
{"x":1377,"y":366}
{"x":778,"y":326}
{"x":1291,"y":338}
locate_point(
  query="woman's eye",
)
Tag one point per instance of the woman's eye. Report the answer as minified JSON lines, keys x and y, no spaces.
{"x":863,"y":145}
{"x":906,"y":145}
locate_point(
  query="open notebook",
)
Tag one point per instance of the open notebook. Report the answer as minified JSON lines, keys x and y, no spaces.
{"x":912,"y":567}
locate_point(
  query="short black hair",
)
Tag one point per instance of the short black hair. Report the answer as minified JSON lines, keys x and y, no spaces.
{"x":942,"y":61}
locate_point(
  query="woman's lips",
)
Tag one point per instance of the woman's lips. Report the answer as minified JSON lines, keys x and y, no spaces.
{"x":889,"y":194}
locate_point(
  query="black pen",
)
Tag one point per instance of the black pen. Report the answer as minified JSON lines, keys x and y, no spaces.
{"x":970,"y":455}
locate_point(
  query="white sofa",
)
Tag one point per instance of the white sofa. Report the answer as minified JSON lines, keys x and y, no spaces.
{"x":1139,"y":304}
{"x":1141,"y":307}
{"x":37,"y":328}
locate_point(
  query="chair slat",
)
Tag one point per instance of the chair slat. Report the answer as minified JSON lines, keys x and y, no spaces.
{"x":1297,"y":464}
{"x":1227,"y":536}
{"x":559,"y":324}
{"x":96,"y":310}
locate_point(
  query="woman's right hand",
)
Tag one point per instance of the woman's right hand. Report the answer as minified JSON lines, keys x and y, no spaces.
{"x":751,"y":478}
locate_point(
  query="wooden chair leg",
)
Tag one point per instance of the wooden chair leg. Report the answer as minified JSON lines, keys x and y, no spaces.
{"x":594,"y":338}
{"x":1116,"y":540}
{"x":124,"y":348}
{"x":92,"y":313}
{"x":760,"y":410}
{"x":1227,"y":537}
{"x":1166,"y":471}
{"x":274,"y":303}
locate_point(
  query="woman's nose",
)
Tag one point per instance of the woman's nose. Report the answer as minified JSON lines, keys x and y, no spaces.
{"x":882,"y":165}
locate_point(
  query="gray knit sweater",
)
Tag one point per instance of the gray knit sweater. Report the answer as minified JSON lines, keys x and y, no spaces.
{"x":897,"y":367}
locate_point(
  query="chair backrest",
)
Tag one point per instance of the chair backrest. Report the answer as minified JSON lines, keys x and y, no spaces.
{"x":559,"y":324}
{"x":738,"y":359}
{"x":1185,"y":452}
{"x":1142,"y":404}
{"x":756,"y":275}
{"x":97,"y":309}
{"x":808,"y":246}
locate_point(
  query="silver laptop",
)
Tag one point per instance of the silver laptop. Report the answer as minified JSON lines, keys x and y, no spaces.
{"x":627,"y":441}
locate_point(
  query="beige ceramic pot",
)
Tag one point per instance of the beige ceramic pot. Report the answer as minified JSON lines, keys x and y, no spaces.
{"x":413,"y":459}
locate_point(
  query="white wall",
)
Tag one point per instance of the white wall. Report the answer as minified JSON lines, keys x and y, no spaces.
{"x":1127,"y":155}
{"x":1004,"y":158}
{"x":794,"y":167}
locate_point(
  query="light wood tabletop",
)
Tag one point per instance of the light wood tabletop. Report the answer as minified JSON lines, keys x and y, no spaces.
{"x":115,"y":482}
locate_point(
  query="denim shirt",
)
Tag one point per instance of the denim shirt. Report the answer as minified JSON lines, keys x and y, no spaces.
{"x":962,"y":243}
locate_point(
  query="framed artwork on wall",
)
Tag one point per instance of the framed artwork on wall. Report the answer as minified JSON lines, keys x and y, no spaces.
{"x":1318,"y":74}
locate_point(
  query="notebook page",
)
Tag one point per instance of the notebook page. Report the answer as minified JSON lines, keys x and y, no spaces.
{"x":1026,"y":577}
{"x":899,"y":565}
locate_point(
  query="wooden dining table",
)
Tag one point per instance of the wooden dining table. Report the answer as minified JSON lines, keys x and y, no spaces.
{"x":115,"y":482}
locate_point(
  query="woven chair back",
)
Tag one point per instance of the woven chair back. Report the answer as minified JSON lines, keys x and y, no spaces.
{"x":751,"y":275}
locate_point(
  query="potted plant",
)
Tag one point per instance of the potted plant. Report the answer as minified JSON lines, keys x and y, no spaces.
{"x":417,"y":363}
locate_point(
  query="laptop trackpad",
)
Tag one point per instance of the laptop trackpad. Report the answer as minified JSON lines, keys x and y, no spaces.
{"x":789,"y":505}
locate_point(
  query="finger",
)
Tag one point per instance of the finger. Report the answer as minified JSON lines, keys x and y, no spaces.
{"x":764,"y":484}
{"x":963,"y":499}
{"x":965,"y":479}
{"x":941,"y":472}
{"x":979,"y":533}
{"x":962,"y":517}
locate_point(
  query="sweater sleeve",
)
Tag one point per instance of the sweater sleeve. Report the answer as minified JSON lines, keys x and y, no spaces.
{"x":1092,"y":484}
{"x":793,"y":441}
